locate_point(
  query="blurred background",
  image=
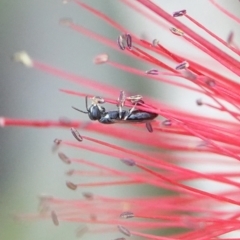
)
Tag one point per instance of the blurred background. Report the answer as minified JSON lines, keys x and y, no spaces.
{"x":27,"y":165}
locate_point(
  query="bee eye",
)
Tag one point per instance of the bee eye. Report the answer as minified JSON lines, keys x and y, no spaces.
{"x":95,"y":113}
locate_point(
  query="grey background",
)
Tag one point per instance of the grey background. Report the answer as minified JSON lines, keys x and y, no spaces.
{"x":27,"y":165}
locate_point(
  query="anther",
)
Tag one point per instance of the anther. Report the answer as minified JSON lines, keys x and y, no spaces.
{"x":2,"y":122}
{"x":81,"y":231}
{"x":100,"y":59}
{"x":124,"y":230}
{"x":202,"y":144}
{"x":199,"y":102}
{"x":149,"y":127}
{"x":155,"y":42}
{"x":65,"y":22}
{"x":23,"y":58}
{"x":210,"y":83}
{"x":64,"y":158}
{"x":152,"y":72}
{"x":124,"y":40}
{"x":57,"y":141}
{"x":43,"y":209}
{"x":93,"y":217}
{"x":182,"y":65}
{"x":230,"y":38}
{"x":56,"y":144}
{"x":129,"y":40}
{"x":54,"y":218}
{"x":66,"y":1}
{"x":167,"y":123}
{"x":65,"y":121}
{"x":128,"y":162}
{"x":44,"y":203}
{"x":189,"y":75}
{"x":88,"y":195}
{"x":176,"y":31}
{"x":126,"y":215}
{"x":71,"y":185}
{"x":120,"y":42}
{"x":44,"y":198}
{"x":76,"y":134}
{"x":179,"y":13}
{"x":70,"y":172}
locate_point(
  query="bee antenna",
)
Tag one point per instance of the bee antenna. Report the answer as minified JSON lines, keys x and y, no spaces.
{"x":79,"y":110}
{"x":86,"y":102}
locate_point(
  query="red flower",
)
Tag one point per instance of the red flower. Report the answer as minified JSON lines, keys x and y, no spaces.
{"x":191,"y":156}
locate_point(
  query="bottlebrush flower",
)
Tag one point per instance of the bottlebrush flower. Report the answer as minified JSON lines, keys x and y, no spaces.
{"x":192,"y":157}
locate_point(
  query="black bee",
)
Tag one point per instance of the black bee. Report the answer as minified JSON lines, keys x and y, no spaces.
{"x":97,"y":112}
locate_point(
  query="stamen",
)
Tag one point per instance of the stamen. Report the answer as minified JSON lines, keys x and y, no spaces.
{"x":70,"y":172}
{"x":230,"y":38}
{"x":2,"y":122}
{"x":129,"y":162}
{"x":176,"y":31}
{"x":65,"y":121}
{"x":225,"y":11}
{"x":205,"y":220}
{"x":56,"y":144}
{"x":88,"y":195}
{"x":210,"y":82}
{"x":64,"y":158}
{"x":57,"y":141}
{"x":149,"y":127}
{"x":23,"y":58}
{"x":120,"y":42}
{"x":182,"y":65}
{"x":179,"y":13}
{"x":124,"y":230}
{"x":189,"y":74}
{"x":152,"y":72}
{"x":213,"y":51}
{"x":71,"y":185}
{"x":44,"y":197}
{"x":124,"y":40}
{"x":44,"y":201}
{"x":100,"y":59}
{"x":199,"y":102}
{"x":66,"y":1}
{"x":65,"y":22}
{"x":167,"y":123}
{"x":81,"y":231}
{"x":76,"y":134}
{"x":155,"y":42}
{"x":54,"y":218}
{"x":129,"y":40}
{"x":126,"y":215}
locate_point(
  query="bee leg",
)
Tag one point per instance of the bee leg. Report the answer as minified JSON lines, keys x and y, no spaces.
{"x":149,"y":127}
{"x":121,"y":102}
{"x":130,"y":112}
